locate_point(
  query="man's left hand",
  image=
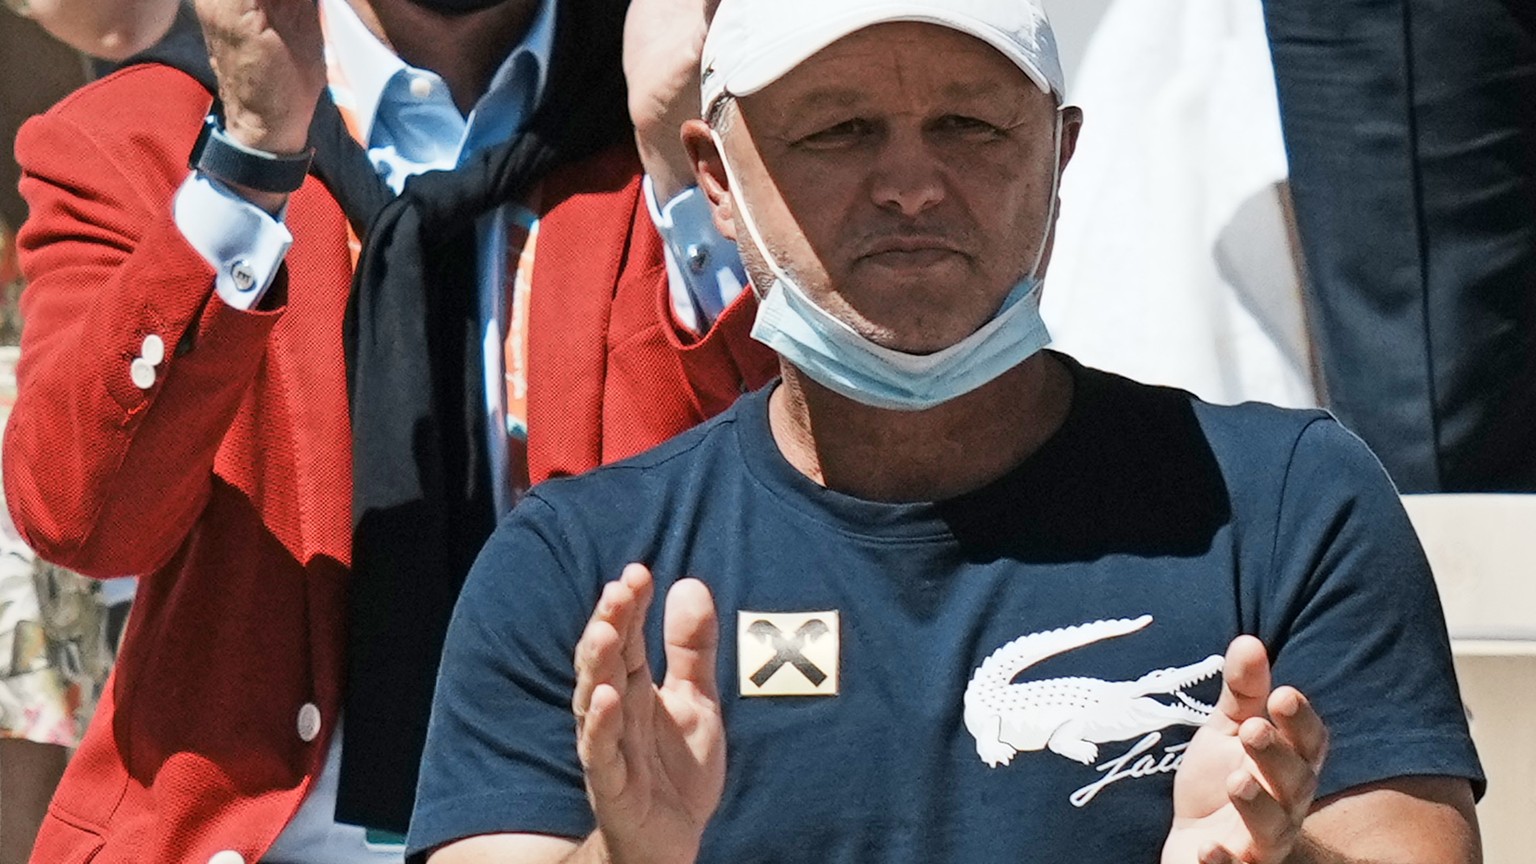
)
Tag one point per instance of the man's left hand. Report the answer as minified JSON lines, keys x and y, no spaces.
{"x":1248,"y":779}
{"x":663,"y":43}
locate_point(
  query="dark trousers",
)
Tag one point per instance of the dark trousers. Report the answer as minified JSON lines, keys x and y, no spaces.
{"x":1411,"y":128}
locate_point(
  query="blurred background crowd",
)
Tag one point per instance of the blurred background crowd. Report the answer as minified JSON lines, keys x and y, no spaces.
{"x":1240,"y":224}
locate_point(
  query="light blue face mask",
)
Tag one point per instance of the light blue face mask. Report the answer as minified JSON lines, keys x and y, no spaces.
{"x":839,"y":358}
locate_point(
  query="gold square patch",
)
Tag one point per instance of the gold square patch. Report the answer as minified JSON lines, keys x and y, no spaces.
{"x":788,"y":653}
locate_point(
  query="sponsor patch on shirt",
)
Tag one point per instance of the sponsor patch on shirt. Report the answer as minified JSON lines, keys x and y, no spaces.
{"x":788,"y":653}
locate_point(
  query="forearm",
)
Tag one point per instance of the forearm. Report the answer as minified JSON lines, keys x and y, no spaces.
{"x":594,"y":850}
{"x":132,"y":370}
{"x":1410,"y":820}
{"x":119,"y":496}
{"x":1310,"y":850}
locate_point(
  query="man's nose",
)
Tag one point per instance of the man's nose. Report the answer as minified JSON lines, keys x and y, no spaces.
{"x":908,"y":179}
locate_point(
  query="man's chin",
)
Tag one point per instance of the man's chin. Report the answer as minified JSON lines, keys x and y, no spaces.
{"x":916,"y":335}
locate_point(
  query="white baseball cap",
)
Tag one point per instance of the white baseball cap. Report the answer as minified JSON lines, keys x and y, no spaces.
{"x":753,"y":43}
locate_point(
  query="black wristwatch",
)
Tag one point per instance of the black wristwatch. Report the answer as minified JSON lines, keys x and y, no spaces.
{"x":223,"y":158}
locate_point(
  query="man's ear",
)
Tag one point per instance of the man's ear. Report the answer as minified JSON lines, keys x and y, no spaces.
{"x":1071,"y":127}
{"x":709,"y":172}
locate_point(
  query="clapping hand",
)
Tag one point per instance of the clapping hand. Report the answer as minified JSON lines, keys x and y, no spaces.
{"x":1248,"y":779}
{"x":654,"y":757}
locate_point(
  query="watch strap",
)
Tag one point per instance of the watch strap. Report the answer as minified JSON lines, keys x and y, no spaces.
{"x":223,"y":158}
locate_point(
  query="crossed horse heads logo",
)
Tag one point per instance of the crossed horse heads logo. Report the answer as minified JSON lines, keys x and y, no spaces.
{"x":789,"y":649}
{"x":807,"y":642}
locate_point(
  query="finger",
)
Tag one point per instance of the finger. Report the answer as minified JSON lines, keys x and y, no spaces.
{"x":634,"y":600}
{"x":601,"y":662}
{"x":1287,"y":777}
{"x":1300,"y":725}
{"x":691,"y":632}
{"x":1244,"y":681}
{"x":593,"y":643}
{"x":602,"y":759}
{"x":598,"y":708}
{"x":1271,"y":828}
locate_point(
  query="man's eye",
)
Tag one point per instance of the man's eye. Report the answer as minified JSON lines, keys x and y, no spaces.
{"x":968,"y":126}
{"x":842,"y":134}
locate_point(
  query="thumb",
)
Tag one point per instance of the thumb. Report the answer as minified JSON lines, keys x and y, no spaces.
{"x":691,"y":632}
{"x":1245,"y":681}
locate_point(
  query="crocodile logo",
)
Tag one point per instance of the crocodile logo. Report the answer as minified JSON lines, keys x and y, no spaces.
{"x":1072,"y":716}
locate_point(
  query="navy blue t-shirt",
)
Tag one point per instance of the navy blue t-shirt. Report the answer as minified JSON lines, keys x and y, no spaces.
{"x":1007,"y":676}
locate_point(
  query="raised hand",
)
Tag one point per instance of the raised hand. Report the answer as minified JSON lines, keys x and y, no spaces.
{"x":1248,"y":779}
{"x":269,"y":59}
{"x":663,"y":42}
{"x":654,"y":757}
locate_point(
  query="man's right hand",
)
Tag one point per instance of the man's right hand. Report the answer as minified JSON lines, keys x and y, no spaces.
{"x":269,"y":59}
{"x":654,"y":757}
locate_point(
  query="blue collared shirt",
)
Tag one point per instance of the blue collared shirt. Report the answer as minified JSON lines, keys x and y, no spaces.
{"x":407,"y":116}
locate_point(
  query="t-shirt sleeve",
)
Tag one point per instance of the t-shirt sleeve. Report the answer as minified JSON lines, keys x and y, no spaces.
{"x":1355,"y":621}
{"x":501,"y":749}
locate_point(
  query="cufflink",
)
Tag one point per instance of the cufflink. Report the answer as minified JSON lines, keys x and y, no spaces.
{"x":244,"y":276}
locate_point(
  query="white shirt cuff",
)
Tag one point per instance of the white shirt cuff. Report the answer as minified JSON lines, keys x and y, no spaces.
{"x":241,"y":242}
{"x":704,"y":272}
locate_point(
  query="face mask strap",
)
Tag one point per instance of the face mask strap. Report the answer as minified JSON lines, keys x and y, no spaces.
{"x":741,"y":209}
{"x":1050,"y":216}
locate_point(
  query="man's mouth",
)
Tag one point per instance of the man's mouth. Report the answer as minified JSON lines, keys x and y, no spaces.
{"x":908,"y":259}
{"x":909,"y":243}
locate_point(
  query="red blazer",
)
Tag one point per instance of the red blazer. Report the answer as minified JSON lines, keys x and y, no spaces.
{"x":226,"y":484}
